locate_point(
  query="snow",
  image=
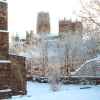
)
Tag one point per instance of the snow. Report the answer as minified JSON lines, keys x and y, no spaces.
{"x":5,"y":61}
{"x":42,"y":91}
{"x":5,"y":90}
{"x":3,"y":30}
{"x":88,"y":61}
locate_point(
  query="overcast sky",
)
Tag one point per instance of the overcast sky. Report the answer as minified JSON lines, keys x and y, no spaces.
{"x":23,"y":13}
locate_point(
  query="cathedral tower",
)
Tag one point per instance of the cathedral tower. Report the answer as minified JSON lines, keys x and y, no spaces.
{"x":43,"y":23}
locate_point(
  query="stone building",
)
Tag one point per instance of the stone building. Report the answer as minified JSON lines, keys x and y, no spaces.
{"x":3,"y":31}
{"x":66,"y":26}
{"x":18,"y":73}
{"x":43,"y":22}
{"x":10,"y":66}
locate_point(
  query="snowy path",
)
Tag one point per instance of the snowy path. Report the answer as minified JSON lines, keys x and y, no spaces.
{"x":41,"y":91}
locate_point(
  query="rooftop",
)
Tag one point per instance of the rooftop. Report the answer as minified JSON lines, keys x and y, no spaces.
{"x":5,"y":1}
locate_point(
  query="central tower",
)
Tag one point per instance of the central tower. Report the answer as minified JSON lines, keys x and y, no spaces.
{"x":43,"y":23}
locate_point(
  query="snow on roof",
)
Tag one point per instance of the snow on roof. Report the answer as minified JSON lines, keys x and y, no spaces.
{"x":6,"y":90}
{"x":88,"y":61}
{"x":53,"y":35}
{"x":49,"y":35}
{"x":3,"y":31}
{"x":3,"y":1}
{"x":53,"y":50}
{"x":5,"y":61}
{"x":25,"y":54}
{"x":37,"y":35}
{"x":31,"y":53}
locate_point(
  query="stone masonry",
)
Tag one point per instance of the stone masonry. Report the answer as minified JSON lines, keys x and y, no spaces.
{"x":12,"y":67}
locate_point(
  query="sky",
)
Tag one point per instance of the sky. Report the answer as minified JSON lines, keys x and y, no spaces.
{"x":22,"y":14}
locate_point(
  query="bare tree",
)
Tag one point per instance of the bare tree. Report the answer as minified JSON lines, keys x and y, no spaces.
{"x":72,"y":50}
{"x":91,"y":10}
{"x":54,"y":75}
{"x":44,"y":52}
{"x":77,"y":51}
{"x":90,"y":16}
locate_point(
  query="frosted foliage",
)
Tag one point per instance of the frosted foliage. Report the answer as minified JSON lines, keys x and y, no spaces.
{"x":77,"y":50}
{"x":90,"y":16}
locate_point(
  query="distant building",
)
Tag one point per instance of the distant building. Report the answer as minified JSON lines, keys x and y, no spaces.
{"x":43,"y":23}
{"x":69,"y":26}
{"x":29,"y":37}
{"x":19,"y":44}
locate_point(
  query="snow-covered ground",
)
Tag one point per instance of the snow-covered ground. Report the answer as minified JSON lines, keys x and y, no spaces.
{"x":42,"y":91}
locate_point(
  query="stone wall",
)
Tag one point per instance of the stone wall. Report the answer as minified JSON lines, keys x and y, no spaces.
{"x":3,"y":30}
{"x":12,"y":71}
{"x":5,"y":74}
{"x":19,"y":73}
{"x":4,"y":45}
{"x":3,"y":16}
{"x":13,"y":75}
